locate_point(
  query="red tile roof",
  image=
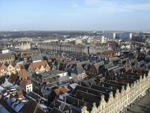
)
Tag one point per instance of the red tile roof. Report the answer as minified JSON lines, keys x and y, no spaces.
{"x":23,"y":74}
{"x":39,"y":64}
{"x":3,"y":67}
{"x":60,"y":91}
{"x":23,"y":83}
{"x":19,"y":94}
{"x":12,"y":78}
{"x":109,"y":53}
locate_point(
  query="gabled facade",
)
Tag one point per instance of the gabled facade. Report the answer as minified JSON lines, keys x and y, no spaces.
{"x":11,"y":69}
{"x":123,"y":98}
{"x":39,"y":67}
{"x":7,"y":58}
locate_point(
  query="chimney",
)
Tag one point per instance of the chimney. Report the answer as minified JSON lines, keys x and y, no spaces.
{"x":88,"y":50}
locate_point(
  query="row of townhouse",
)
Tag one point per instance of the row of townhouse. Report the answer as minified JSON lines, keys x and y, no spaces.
{"x":122,"y":99}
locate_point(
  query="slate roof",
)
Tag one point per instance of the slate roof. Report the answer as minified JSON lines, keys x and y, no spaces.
{"x":29,"y":107}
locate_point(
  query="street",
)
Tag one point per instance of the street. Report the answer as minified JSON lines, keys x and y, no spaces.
{"x":141,"y":106}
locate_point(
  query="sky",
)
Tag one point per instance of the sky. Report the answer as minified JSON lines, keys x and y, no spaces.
{"x":19,"y":15}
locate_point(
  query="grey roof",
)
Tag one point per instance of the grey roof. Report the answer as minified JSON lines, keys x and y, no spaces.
{"x":80,"y":69}
{"x":36,"y":58}
{"x":98,"y":64}
{"x":83,"y":62}
{"x":3,"y":110}
{"x":53,"y":73}
{"x":114,"y":58}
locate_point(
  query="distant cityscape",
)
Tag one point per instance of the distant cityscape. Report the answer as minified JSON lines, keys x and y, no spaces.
{"x":74,"y":72}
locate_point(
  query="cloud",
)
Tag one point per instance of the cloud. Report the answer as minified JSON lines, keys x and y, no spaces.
{"x":143,"y":6}
{"x":118,"y":5}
